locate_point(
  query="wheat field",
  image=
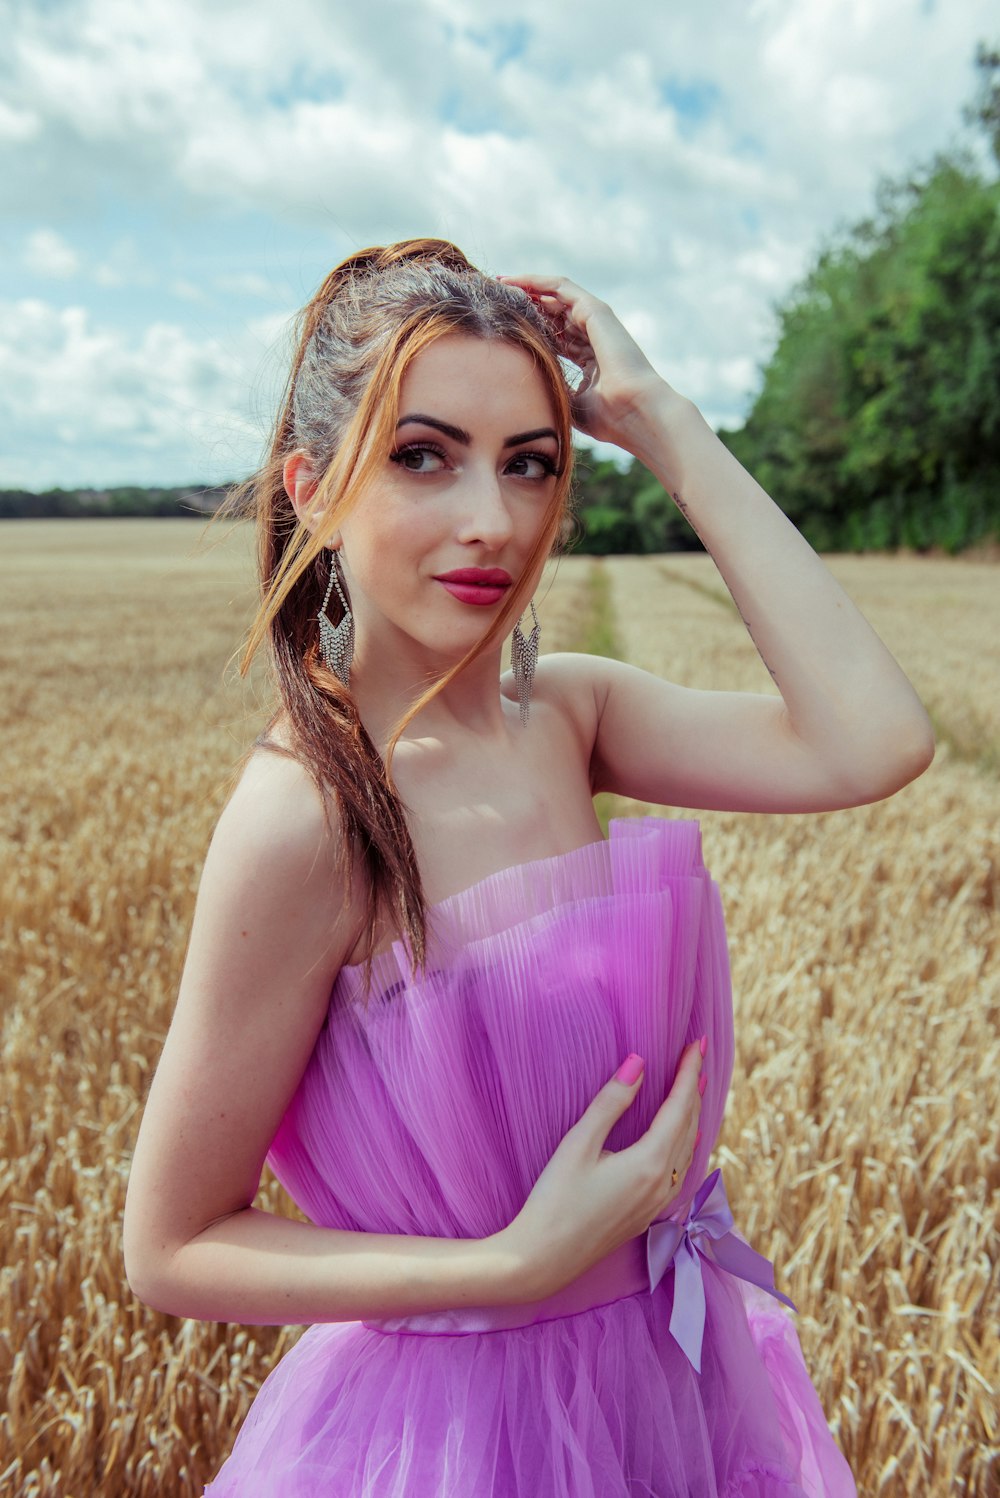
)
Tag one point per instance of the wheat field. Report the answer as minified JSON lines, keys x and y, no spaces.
{"x":860,"y":1146}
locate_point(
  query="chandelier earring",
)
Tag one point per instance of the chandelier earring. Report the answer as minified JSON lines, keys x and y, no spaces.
{"x":524,"y":659}
{"x":336,"y":641}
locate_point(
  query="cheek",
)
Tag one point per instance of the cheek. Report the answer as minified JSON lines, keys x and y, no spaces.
{"x":404,"y":535}
{"x":391,"y":536}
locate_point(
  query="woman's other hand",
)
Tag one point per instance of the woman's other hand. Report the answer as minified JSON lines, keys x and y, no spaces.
{"x":588,"y":1201}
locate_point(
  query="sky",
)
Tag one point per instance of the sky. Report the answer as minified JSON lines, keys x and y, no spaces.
{"x":176,"y":178}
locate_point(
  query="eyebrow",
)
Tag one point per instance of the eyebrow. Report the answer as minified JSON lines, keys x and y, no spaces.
{"x":458,"y":434}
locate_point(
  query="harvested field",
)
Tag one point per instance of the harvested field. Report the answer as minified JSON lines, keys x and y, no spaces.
{"x":860,"y":1146}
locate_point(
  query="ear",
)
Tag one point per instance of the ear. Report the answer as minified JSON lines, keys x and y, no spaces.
{"x":301,"y":484}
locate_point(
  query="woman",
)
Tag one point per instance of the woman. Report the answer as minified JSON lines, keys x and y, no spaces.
{"x":415,"y":965}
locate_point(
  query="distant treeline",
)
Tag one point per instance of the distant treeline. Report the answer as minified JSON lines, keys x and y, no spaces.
{"x":878,"y":420}
{"x":877,"y":424}
{"x":190,"y":500}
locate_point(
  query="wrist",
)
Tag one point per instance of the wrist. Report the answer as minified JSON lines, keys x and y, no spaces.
{"x":514,"y":1279}
{"x":659,"y":424}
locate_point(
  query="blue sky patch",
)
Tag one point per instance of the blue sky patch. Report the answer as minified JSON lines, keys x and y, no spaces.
{"x":693,"y":100}
{"x":507,"y":41}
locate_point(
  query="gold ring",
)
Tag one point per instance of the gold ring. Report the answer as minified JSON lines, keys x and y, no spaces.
{"x":673,"y":1178}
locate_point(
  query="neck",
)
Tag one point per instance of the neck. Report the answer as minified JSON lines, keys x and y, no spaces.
{"x":384,"y":686}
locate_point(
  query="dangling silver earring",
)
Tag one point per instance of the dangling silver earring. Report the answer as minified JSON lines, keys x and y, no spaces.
{"x":336,"y":642}
{"x":524,"y":659}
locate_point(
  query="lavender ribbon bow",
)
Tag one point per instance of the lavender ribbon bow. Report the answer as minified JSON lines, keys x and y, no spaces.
{"x":705,"y":1234}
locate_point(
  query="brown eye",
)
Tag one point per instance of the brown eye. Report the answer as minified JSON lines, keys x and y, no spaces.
{"x":419,"y":457}
{"x":531,"y":466}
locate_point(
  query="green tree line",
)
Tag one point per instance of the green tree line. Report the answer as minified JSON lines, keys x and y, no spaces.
{"x":129,"y":500}
{"x":877,"y":423}
{"x":878,"y":420}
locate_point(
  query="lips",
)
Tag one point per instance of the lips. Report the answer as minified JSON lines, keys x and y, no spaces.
{"x":479,"y":586}
{"x":486,"y":576}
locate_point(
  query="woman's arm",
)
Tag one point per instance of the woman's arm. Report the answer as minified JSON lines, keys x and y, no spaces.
{"x":266,"y":942}
{"x":847,"y":727}
{"x":254,"y":1267}
{"x":849,"y":724}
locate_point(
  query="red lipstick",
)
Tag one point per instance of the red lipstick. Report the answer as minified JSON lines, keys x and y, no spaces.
{"x":476,"y":585}
{"x":495,"y":575}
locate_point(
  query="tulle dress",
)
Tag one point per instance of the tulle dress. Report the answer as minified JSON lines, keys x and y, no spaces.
{"x":662,"y":1373}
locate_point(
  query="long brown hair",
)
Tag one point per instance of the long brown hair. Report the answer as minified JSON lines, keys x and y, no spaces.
{"x":357,"y":336}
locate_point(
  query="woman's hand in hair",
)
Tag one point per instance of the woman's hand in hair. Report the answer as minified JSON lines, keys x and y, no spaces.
{"x":618,"y":383}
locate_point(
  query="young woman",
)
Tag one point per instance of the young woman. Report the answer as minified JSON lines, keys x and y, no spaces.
{"x":415,"y":965}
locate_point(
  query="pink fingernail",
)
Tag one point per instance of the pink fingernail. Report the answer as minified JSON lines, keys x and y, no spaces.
{"x":702,"y":1084}
{"x":703,"y":1045}
{"x":630,"y":1070}
{"x":697,"y":1139}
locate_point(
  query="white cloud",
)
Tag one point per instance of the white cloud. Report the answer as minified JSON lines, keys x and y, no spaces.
{"x":74,"y":390}
{"x":47,"y":254}
{"x":18,"y":124}
{"x":683,"y":164}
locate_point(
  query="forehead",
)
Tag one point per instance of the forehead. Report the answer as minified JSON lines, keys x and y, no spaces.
{"x":477,"y":381}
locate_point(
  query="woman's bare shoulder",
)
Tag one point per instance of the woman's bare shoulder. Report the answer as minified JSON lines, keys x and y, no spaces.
{"x":567,"y":682}
{"x":277,"y":814}
{"x":277,"y":735}
{"x":279,"y":828}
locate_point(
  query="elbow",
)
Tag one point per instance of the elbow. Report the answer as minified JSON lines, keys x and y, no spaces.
{"x":146,"y":1281}
{"x":148,"y":1273}
{"x":913,"y":753}
{"x":898,"y":761}
{"x":923,"y":752}
{"x":155,"y":1287}
{"x":137,"y":1257}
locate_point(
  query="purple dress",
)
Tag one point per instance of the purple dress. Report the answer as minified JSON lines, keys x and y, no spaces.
{"x":664,"y":1373}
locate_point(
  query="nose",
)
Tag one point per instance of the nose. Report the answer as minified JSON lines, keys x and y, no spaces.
{"x":485,"y":515}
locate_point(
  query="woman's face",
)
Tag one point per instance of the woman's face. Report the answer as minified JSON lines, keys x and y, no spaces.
{"x":466,"y":488}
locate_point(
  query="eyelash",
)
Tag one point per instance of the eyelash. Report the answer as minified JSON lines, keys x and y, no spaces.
{"x":411,"y":448}
{"x":548,"y":464}
{"x":550,"y":469}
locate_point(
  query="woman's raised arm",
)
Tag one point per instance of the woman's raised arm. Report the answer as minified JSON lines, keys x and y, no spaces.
{"x":848,"y":726}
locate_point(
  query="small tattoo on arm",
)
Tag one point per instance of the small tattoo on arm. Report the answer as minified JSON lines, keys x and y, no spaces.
{"x":686,"y":512}
{"x":679,"y":502}
{"x":749,"y":631}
